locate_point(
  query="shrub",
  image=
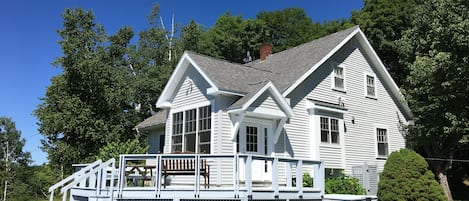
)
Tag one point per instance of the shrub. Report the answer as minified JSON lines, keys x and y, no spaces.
{"x":406,"y":177}
{"x":343,"y":185}
{"x":338,"y":185}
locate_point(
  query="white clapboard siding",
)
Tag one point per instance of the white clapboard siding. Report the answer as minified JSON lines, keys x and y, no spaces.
{"x":193,"y":90}
{"x":265,"y":101}
{"x":360,"y":137}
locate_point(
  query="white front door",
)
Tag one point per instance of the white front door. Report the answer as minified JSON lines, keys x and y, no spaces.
{"x":256,"y":139}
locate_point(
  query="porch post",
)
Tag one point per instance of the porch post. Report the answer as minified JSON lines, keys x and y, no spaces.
{"x":275,"y":187}
{"x":318,"y":182}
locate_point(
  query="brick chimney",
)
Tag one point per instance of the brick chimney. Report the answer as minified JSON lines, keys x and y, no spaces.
{"x":265,"y":50}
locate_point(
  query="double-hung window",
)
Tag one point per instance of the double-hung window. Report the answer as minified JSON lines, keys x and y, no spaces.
{"x":382,"y":140}
{"x":329,"y":130}
{"x":370,"y":86}
{"x":339,"y":78}
{"x":192,"y":130}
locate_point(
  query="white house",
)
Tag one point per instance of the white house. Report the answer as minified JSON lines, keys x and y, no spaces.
{"x":250,"y":131}
{"x":331,"y":99}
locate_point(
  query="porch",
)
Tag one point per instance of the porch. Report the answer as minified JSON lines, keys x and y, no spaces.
{"x":230,"y":177}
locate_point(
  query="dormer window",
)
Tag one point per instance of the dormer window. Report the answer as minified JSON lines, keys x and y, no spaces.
{"x":338,"y":78}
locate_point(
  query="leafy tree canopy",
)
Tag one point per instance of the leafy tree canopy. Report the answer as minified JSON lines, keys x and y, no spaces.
{"x":384,"y":23}
{"x":437,"y":49}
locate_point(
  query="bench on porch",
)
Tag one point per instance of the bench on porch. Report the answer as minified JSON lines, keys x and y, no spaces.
{"x":182,"y":166}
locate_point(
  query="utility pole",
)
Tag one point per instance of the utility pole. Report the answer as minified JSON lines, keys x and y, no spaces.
{"x":170,"y":37}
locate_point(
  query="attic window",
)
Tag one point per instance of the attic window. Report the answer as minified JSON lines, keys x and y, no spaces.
{"x":338,"y":82}
{"x":370,"y":86}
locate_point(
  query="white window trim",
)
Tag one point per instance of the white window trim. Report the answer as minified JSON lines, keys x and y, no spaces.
{"x":183,"y":110}
{"x":375,"y":134}
{"x":329,"y":143}
{"x":316,"y":136}
{"x":333,"y":66}
{"x":365,"y":85}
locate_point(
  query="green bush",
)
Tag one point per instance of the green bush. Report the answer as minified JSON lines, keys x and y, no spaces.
{"x":343,"y":185}
{"x":406,"y":177}
{"x":307,"y":180}
{"x":338,"y":185}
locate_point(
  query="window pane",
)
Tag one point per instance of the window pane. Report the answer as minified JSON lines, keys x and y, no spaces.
{"x":204,"y":118}
{"x":204,"y":148}
{"x":176,"y":143}
{"x":251,"y":139}
{"x":334,"y":131}
{"x":370,"y":85}
{"x":176,"y":148}
{"x":382,"y":149}
{"x":324,"y":129}
{"x":339,"y":83}
{"x":189,"y":142}
{"x":237,"y":142}
{"x":190,"y":121}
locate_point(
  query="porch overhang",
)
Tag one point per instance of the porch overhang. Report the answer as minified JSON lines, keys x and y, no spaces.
{"x":281,"y":115}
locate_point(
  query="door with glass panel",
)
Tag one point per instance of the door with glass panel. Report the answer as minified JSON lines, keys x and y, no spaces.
{"x":255,"y":138}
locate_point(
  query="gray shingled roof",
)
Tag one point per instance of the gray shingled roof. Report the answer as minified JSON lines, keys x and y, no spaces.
{"x":230,"y":76}
{"x":157,"y":119}
{"x":289,"y":65}
{"x":282,"y":68}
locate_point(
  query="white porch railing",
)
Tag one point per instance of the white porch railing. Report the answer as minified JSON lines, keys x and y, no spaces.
{"x":97,"y":180}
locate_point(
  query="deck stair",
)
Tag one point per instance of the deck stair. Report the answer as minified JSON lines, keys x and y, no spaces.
{"x":95,"y":177}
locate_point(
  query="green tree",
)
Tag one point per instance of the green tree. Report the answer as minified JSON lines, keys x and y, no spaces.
{"x":114,"y":149}
{"x":406,"y":177}
{"x":287,"y":28}
{"x":437,"y":49}
{"x":226,"y":34}
{"x":14,"y":160}
{"x":88,"y":105}
{"x":384,"y":22}
{"x":195,"y":38}
{"x":151,"y":64}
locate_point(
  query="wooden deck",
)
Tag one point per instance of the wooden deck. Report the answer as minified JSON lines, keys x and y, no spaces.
{"x":141,"y":177}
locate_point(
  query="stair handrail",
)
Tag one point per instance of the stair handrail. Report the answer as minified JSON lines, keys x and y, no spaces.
{"x":71,"y":177}
{"x":93,"y":171}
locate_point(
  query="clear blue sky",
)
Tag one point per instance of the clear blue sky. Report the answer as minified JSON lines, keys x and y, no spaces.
{"x":28,"y":40}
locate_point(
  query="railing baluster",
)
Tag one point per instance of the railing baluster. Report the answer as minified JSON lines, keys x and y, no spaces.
{"x":248,"y":174}
{"x":236,"y":175}
{"x":289,"y":174}
{"x":99,"y":178}
{"x":197,"y":175}
{"x":299,"y":178}
{"x":275,"y":186}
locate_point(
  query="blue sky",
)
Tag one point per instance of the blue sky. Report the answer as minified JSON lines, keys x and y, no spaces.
{"x":28,"y":40}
